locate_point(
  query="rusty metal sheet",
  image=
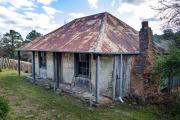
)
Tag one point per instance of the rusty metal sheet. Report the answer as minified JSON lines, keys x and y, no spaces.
{"x":100,"y":33}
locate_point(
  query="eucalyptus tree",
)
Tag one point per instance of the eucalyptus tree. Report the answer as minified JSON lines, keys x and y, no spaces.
{"x":9,"y":42}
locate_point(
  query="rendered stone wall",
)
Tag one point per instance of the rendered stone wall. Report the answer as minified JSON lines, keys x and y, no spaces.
{"x":106,"y":72}
{"x":37,"y":64}
{"x":68,"y":67}
{"x":49,"y":71}
{"x":50,"y":66}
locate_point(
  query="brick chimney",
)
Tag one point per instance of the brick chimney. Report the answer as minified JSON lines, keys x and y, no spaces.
{"x":145,"y":38}
{"x":141,"y":68}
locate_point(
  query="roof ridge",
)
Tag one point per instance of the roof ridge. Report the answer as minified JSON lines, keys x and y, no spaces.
{"x":92,"y":15}
{"x":43,"y":36}
{"x":122,"y":22}
{"x":103,"y":21}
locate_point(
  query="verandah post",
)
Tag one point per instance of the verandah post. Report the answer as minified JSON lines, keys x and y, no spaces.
{"x":56,"y":69}
{"x":121,"y":76}
{"x":114,"y":79}
{"x":33,"y":65}
{"x":97,"y":77}
{"x":19,"y":63}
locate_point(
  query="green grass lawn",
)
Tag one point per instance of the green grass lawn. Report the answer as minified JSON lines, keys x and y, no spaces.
{"x":31,"y":102}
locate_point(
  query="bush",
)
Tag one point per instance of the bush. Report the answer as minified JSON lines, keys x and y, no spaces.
{"x":0,"y":70}
{"x":175,"y":105}
{"x":170,"y":106}
{"x":4,"y":108}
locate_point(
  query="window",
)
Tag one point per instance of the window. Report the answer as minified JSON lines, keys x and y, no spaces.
{"x":42,"y":59}
{"x":83,"y":65}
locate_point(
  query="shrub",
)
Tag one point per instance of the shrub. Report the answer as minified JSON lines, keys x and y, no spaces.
{"x":175,"y":105}
{"x":4,"y":108}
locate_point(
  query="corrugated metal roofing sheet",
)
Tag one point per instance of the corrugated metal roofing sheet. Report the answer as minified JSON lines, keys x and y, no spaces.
{"x":100,"y":33}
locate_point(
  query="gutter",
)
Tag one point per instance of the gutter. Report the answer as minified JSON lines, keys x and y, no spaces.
{"x":101,"y":53}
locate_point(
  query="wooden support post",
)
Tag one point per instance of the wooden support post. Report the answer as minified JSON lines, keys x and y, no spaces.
{"x":121,"y":76}
{"x":114,"y":79}
{"x":19,"y":63}
{"x":97,"y":77}
{"x":33,"y":66}
{"x":56,"y":69}
{"x":54,"y":61}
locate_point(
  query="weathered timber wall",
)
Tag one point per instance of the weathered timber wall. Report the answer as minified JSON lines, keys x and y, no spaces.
{"x":126,"y":74}
{"x":12,"y":64}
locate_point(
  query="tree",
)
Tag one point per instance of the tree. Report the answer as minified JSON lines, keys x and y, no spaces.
{"x":169,"y":12}
{"x":168,"y":34}
{"x":1,"y":48}
{"x":32,"y":35}
{"x":168,"y":66}
{"x":26,"y":56}
{"x":9,"y":42}
{"x":177,"y":39}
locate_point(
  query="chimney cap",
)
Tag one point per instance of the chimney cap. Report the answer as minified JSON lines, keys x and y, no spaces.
{"x":145,"y":24}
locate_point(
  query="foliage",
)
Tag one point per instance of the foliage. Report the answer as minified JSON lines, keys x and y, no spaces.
{"x":26,"y":56}
{"x":4,"y":108}
{"x":168,"y":38}
{"x":9,"y":42}
{"x":175,"y":105}
{"x":170,"y":105}
{"x":169,"y":64}
{"x":12,"y":40}
{"x":169,"y":12}
{"x":168,"y":34}
{"x":177,"y":38}
{"x":32,"y":35}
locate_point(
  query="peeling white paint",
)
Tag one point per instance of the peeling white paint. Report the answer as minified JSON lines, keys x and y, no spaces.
{"x":50,"y":65}
{"x":36,"y":64}
{"x":68,"y":67}
{"x":106,"y":72}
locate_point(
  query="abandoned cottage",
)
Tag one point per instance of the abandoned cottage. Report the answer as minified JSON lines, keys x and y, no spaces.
{"x":97,"y":55}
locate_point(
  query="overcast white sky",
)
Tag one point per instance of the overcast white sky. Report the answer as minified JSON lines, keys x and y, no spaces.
{"x":47,"y":15}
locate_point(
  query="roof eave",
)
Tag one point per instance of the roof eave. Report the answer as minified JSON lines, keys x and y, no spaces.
{"x":108,"y":53}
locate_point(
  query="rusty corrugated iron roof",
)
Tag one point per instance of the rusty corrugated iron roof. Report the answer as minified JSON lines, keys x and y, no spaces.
{"x":100,"y":33}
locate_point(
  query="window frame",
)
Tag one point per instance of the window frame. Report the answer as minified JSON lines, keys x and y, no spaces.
{"x":78,"y":62}
{"x":42,"y":60}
